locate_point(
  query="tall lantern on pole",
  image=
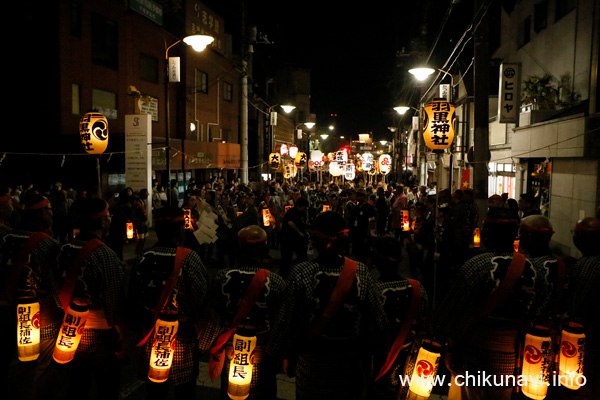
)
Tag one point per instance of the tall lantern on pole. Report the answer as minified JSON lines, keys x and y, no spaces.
{"x":93,"y":133}
{"x":438,"y":124}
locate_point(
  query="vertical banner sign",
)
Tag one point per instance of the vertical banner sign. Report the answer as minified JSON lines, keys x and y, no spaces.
{"x":438,"y":124}
{"x":508,"y":94}
{"x":445,"y":92}
{"x":138,"y":154}
{"x":174,"y":69}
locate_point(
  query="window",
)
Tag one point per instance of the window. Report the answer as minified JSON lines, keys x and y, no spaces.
{"x":524,"y":32}
{"x":148,"y":68}
{"x":76,"y":99}
{"x":227,"y":91}
{"x":563,"y":7}
{"x":75,"y":19}
{"x":201,"y":82}
{"x":105,"y":102}
{"x":540,"y":16}
{"x":105,"y":42}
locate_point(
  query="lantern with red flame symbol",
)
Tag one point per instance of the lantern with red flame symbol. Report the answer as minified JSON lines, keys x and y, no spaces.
{"x":426,"y":365}
{"x":537,"y":359}
{"x":129,"y":230}
{"x":570,"y":366}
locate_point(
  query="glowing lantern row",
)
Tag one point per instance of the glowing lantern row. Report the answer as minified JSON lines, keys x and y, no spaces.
{"x":385,"y":163}
{"x":28,"y":329}
{"x":438,"y":124}
{"x":405,"y":221}
{"x":129,"y":228}
{"x":163,"y":346}
{"x":537,"y":358}
{"x":70,"y":332}
{"x":426,"y":366}
{"x":570,"y":366}
{"x":240,"y":368}
{"x":93,"y":133}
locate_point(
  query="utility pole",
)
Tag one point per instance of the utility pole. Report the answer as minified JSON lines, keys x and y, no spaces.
{"x":481,"y":154}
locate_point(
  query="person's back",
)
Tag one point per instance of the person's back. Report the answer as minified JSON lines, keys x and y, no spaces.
{"x":331,"y":359}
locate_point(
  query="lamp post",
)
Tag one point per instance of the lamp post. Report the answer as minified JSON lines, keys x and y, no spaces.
{"x":198,"y":43}
{"x":401,"y":110}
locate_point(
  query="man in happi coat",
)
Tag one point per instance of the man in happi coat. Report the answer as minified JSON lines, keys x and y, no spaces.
{"x":487,"y":344}
{"x":96,"y":366}
{"x":149,"y":277}
{"x":584,"y":301}
{"x":227,"y":291}
{"x":39,"y":278}
{"x":333,"y":362}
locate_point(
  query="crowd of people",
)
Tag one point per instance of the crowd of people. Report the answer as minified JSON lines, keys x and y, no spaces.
{"x":366,"y":276}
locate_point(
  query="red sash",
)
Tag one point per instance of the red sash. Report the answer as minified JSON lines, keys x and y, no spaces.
{"x":68,"y":286}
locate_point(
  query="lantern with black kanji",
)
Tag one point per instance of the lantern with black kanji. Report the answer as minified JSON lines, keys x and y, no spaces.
{"x":28,"y":328}
{"x":93,"y":132}
{"x":438,"y":124}
{"x":129,"y":229}
{"x":300,"y":160}
{"x":537,"y":362}
{"x":241,"y":365}
{"x":187,"y":216}
{"x":163,"y":346}
{"x":274,"y":160}
{"x":570,"y":362}
{"x":70,"y":332}
{"x":266,"y":217}
{"x":425,"y":369}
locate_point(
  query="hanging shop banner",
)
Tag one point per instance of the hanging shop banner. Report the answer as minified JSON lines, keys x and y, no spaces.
{"x":93,"y":132}
{"x":438,"y":124}
{"x":508,"y":94}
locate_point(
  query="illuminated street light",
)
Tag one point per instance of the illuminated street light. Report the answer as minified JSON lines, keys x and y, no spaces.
{"x":287,"y":108}
{"x":198,"y":43}
{"x":421,"y":73}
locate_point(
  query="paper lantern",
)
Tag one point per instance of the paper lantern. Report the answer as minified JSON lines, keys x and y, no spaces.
{"x":284,"y":150}
{"x":350,"y":172}
{"x":570,"y":366}
{"x":326,"y":207}
{"x":286,"y":208}
{"x":163,"y":346}
{"x":187,"y":217}
{"x":289,"y":171}
{"x":405,"y":221}
{"x":316,"y":156}
{"x":426,"y":366}
{"x":274,"y":160}
{"x":93,"y":133}
{"x":476,"y":238}
{"x":367,"y":161}
{"x":129,"y":226}
{"x":300,"y":160}
{"x":341,"y":157}
{"x":438,"y":124}
{"x":28,"y":328}
{"x":537,"y":362}
{"x":334,"y":169}
{"x":385,"y":163}
{"x":266,"y":216}
{"x":70,"y":332}
{"x":240,"y":368}
{"x":516,"y":243}
{"x":293,"y":151}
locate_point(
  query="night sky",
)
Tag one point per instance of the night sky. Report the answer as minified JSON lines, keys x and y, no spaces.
{"x":351,"y":51}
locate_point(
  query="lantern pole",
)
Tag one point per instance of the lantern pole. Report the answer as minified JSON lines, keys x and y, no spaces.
{"x":99,"y":176}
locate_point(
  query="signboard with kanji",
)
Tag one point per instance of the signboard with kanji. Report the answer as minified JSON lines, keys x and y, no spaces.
{"x":438,"y":124}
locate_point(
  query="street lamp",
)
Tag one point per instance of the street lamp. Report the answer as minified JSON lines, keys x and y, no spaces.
{"x":198,"y":43}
